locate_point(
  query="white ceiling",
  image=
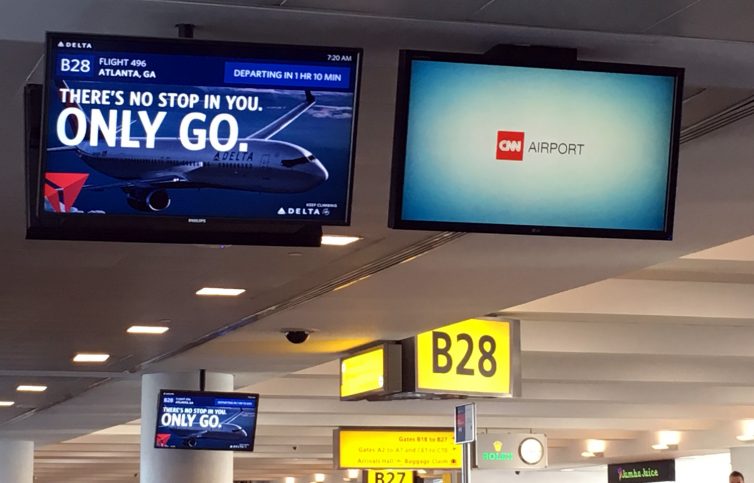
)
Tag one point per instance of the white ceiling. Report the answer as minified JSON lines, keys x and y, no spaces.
{"x":633,"y":350}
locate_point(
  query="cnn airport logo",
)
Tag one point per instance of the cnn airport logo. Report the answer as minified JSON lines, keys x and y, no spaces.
{"x":511,"y":147}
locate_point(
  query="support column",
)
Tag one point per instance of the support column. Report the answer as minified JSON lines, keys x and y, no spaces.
{"x":742,"y":460}
{"x":16,"y":461}
{"x":186,"y":466}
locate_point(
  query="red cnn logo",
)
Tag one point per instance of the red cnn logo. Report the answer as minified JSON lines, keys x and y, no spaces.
{"x":510,"y":145}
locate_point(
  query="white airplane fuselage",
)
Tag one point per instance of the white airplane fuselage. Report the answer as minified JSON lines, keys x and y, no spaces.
{"x":264,"y":166}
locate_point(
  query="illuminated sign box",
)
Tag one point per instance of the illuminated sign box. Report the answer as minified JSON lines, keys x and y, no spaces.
{"x":511,"y":451}
{"x":396,"y":448}
{"x":641,"y":472}
{"x":389,"y":476}
{"x":370,"y":373}
{"x":476,"y":357}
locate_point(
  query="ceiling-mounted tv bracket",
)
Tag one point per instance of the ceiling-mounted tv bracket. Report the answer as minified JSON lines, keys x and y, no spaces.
{"x":185,"y":30}
{"x":534,"y":54}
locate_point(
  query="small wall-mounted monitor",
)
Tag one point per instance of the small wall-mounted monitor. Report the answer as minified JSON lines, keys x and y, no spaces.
{"x":192,"y":141}
{"x":206,"y":420}
{"x":535,"y":146}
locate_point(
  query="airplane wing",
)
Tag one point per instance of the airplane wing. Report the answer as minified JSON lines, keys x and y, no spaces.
{"x":237,"y":415}
{"x":198,"y":433}
{"x":160,"y":182}
{"x":283,"y":121}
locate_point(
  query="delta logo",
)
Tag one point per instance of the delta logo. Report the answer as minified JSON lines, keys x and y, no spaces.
{"x":62,"y":189}
{"x":161,"y":440}
{"x":510,"y":146}
{"x":74,"y":45}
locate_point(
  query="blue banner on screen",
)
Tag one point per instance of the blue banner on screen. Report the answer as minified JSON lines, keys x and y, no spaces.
{"x":206,"y":420}
{"x":312,"y":76}
{"x":502,"y":145}
{"x":198,"y":130}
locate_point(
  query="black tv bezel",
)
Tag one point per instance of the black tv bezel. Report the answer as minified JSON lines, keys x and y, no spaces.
{"x":396,"y":220}
{"x":205,"y":394}
{"x":176,"y":229}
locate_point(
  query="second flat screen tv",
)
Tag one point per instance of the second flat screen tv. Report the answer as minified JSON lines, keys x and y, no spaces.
{"x":206,"y":420}
{"x":575,"y":148}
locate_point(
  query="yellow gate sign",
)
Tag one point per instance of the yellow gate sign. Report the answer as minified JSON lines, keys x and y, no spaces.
{"x":389,"y":476}
{"x":396,"y":448}
{"x":476,"y":357}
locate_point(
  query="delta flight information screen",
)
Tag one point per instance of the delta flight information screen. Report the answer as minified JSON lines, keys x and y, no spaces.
{"x":206,"y":420}
{"x":196,"y":129}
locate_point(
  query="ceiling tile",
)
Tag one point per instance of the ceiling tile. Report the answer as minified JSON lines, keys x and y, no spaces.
{"x":705,"y":103}
{"x":718,"y":19}
{"x":241,"y":3}
{"x":603,"y":15}
{"x":431,"y":9}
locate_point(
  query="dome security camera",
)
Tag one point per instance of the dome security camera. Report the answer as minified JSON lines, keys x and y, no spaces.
{"x":296,"y":336}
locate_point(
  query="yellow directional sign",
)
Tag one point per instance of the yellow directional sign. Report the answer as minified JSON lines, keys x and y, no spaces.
{"x":362,"y":373}
{"x":396,"y":448}
{"x":475,"y":357}
{"x":371,"y":372}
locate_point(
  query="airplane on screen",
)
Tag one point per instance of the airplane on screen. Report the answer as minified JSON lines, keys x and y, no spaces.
{"x":227,"y":431}
{"x":145,"y":175}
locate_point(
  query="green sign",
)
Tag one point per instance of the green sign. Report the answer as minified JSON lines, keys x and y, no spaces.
{"x":641,"y":472}
{"x":490,"y":456}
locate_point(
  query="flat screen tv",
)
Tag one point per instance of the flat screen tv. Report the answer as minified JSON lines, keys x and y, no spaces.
{"x":192,"y":141}
{"x":206,"y":420}
{"x":532,"y":146}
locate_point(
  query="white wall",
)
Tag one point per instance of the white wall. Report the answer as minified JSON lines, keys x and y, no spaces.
{"x":584,"y":475}
{"x":703,"y":469}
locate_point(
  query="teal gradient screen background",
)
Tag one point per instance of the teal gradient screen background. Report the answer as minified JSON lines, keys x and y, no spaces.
{"x":618,"y":181}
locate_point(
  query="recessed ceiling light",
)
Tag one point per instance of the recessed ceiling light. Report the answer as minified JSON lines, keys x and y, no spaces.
{"x":147,"y":329}
{"x":747,"y":435}
{"x":6,"y":404}
{"x":31,"y":388}
{"x":85,"y":357}
{"x":290,"y":479}
{"x":353,"y":473}
{"x":595,"y":448}
{"x":667,"y":440}
{"x":339,"y":240}
{"x":319,"y":477}
{"x":221,"y":292}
